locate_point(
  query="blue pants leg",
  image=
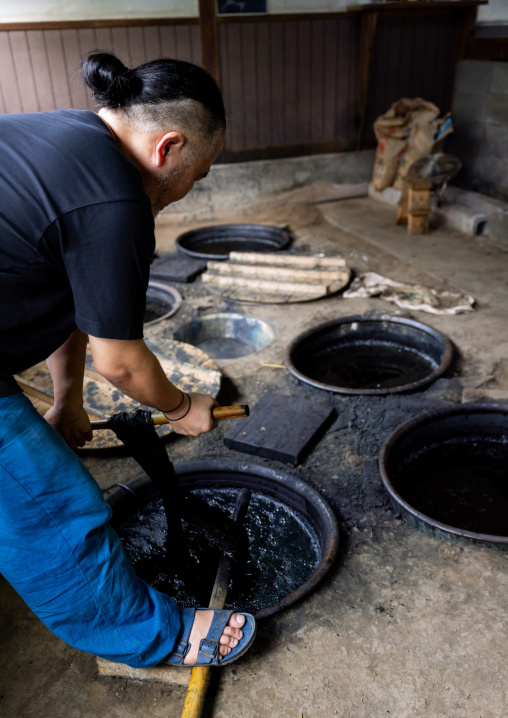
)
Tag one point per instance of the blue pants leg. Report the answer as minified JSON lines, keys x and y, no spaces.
{"x":59,"y":553}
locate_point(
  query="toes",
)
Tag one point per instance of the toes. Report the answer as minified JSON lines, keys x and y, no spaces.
{"x":228,"y":641}
{"x":237,"y":620}
{"x":232,"y":632}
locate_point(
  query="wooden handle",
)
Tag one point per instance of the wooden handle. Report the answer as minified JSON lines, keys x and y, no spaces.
{"x":196,"y":690}
{"x":218,"y":412}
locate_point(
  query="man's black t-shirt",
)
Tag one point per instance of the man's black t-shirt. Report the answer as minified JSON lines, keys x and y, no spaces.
{"x":76,"y":237}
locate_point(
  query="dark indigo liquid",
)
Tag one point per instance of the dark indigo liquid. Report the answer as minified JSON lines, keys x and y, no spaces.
{"x":284,"y":552}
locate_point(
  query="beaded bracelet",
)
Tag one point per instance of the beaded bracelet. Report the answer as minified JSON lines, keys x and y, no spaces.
{"x":184,"y":415}
{"x":170,"y":411}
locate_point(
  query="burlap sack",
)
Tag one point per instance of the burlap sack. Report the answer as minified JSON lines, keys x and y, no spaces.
{"x":425,"y":138}
{"x":393,"y":130}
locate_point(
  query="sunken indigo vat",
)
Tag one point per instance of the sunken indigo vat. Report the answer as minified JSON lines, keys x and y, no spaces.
{"x":369,"y":355}
{"x":293,"y":533}
{"x":447,"y":471}
{"x":217,"y":242}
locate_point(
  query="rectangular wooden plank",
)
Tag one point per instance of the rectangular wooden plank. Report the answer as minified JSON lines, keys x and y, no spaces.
{"x":137,"y":46}
{"x":284,"y":428}
{"x":169,"y":41}
{"x":267,"y":285}
{"x":58,"y":69}
{"x":73,"y":58}
{"x":42,"y":76}
{"x":153,"y":44}
{"x":120,"y":44}
{"x":291,"y":52}
{"x":279,"y":133}
{"x":279,"y":273}
{"x":288,"y":260}
{"x":24,"y":71}
{"x":250,"y":79}
{"x":10,"y":93}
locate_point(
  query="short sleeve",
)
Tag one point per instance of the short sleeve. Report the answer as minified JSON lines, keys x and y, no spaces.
{"x":106,"y":250}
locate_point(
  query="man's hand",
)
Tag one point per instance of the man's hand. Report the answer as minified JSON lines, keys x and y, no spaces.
{"x":196,"y":411}
{"x":73,"y":424}
{"x":135,"y":370}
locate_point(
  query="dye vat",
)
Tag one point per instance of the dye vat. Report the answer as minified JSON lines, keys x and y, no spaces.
{"x":447,"y":471}
{"x":162,"y":301}
{"x":217,"y":242}
{"x":226,"y":335}
{"x":369,"y":355}
{"x":293,"y":535}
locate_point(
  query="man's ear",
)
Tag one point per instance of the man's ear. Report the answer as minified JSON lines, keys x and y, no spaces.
{"x":168,"y":148}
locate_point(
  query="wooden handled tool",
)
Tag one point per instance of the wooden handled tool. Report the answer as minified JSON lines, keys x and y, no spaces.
{"x":218,"y":412}
{"x":197,"y":684}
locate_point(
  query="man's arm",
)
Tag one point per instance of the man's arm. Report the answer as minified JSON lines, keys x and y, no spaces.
{"x":67,"y":415}
{"x":135,"y":370}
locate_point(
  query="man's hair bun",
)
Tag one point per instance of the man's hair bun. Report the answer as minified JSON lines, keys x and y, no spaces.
{"x":113,"y":85}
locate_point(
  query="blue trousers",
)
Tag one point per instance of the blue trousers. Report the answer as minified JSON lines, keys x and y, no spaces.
{"x":59,"y":553}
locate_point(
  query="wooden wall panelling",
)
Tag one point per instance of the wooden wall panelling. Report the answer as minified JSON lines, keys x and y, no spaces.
{"x":282,"y":121}
{"x":413,"y":57}
{"x":347,"y":78}
{"x":58,"y":68}
{"x":303,"y":79}
{"x":73,"y":57}
{"x":245,"y":113}
{"x":43,"y":79}
{"x":209,"y":36}
{"x":320,"y":78}
{"x":290,"y":85}
{"x":291,"y":115}
{"x":120,"y":45}
{"x":260,"y":62}
{"x":23,"y":70}
{"x":232,"y":87}
{"x":11,"y":97}
{"x":138,"y":51}
{"x":188,"y":45}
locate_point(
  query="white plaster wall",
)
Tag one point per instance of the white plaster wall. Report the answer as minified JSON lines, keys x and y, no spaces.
{"x":495,"y":11}
{"x":47,"y":10}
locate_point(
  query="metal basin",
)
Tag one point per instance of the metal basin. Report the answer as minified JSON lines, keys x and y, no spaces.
{"x":447,"y":471}
{"x":226,"y":335}
{"x":217,"y":242}
{"x":162,"y":301}
{"x":369,"y":355}
{"x":272,"y":555}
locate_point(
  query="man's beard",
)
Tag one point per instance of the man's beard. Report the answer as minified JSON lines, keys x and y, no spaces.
{"x":157,"y":186}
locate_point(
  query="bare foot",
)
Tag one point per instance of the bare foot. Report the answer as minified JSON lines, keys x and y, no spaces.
{"x":231,"y":635}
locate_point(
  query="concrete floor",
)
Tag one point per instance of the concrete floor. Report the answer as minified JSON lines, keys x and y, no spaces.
{"x":406,"y":623}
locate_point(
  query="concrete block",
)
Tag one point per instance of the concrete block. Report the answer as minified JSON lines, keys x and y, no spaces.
{"x":499,"y":83}
{"x":473,"y":77}
{"x":497,"y":109}
{"x":470,"y":106}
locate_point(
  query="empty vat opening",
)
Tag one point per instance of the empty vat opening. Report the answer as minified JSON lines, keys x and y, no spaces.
{"x":226,"y":336}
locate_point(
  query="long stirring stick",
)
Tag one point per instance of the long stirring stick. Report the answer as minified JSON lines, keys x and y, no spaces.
{"x":197,"y":684}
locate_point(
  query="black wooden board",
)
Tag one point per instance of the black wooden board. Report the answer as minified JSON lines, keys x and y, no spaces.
{"x":176,"y":268}
{"x":280,"y":427}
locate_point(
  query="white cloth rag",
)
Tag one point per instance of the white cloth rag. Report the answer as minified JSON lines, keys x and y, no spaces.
{"x":410,"y":296}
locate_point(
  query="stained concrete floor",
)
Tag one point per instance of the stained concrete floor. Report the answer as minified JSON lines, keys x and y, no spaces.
{"x":406,"y":623}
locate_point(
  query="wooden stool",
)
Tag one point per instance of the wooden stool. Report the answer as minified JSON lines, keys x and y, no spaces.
{"x":414,"y":205}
